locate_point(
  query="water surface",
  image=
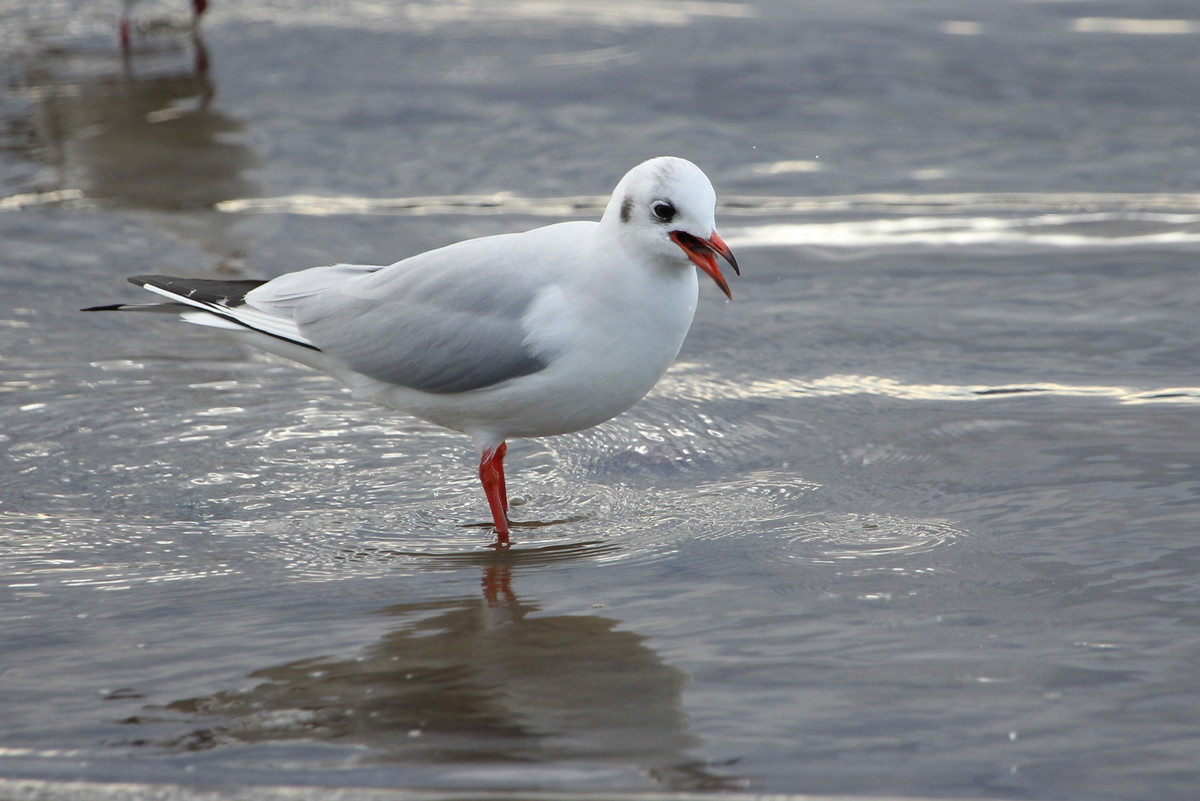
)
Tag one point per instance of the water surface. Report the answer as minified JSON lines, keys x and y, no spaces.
{"x":914,"y":515}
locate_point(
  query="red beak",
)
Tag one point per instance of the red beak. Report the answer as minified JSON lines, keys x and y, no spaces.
{"x":704,"y":252}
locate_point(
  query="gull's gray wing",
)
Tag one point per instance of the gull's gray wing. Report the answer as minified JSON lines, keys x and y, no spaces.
{"x":443,"y":322}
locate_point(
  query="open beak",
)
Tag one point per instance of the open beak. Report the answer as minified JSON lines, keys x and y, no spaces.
{"x":704,"y":252}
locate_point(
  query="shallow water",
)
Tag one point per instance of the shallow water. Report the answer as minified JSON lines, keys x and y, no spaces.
{"x":914,"y":515}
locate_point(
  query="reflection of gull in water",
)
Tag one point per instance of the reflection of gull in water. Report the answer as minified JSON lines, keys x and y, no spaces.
{"x":138,"y":133}
{"x":477,"y":685}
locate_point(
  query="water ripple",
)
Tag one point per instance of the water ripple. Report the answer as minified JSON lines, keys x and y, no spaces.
{"x":131,"y":552}
{"x":689,"y":381}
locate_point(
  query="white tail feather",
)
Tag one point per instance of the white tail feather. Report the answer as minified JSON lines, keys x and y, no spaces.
{"x":209,"y":319}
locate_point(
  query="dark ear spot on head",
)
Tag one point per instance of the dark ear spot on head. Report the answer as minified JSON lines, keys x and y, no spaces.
{"x":626,"y":209}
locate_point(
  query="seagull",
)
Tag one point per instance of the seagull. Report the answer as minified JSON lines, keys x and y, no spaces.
{"x":520,"y":335}
{"x":198,"y":8}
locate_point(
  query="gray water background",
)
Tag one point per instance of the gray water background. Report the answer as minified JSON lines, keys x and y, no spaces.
{"x":915,"y":514}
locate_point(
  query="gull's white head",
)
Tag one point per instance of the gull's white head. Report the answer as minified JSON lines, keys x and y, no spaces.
{"x":665,"y":209}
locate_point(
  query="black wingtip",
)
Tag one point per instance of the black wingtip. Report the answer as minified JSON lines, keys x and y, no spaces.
{"x":206,"y":290}
{"x":136,"y":280}
{"x":157,"y":280}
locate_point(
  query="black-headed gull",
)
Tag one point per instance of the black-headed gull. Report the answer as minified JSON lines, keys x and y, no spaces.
{"x":519,"y":335}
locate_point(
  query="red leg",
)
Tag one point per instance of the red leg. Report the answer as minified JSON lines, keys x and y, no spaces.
{"x":491,"y":475}
{"x":498,"y":465}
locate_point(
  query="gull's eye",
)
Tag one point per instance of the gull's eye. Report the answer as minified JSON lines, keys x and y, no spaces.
{"x":663,"y":211}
